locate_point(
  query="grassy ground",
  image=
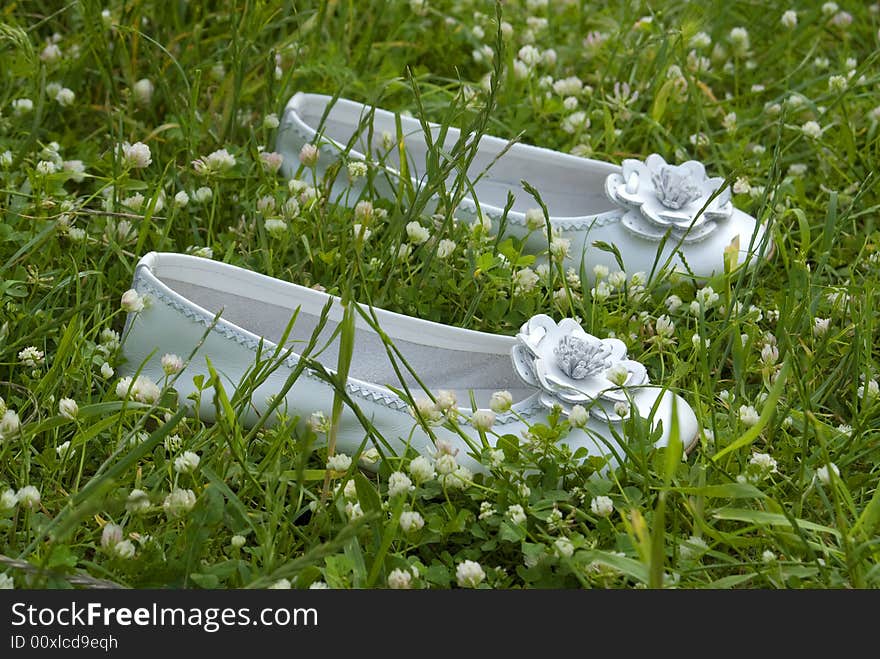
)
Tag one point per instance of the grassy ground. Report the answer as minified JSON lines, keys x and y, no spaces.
{"x":781,"y":491}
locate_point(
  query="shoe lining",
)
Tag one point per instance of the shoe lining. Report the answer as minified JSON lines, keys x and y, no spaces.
{"x":569,"y":188}
{"x":439,"y":368}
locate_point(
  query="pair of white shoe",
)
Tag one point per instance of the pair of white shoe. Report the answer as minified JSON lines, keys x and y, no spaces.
{"x":652,"y":212}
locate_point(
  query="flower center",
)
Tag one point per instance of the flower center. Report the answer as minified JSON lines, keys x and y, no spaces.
{"x":579,"y":359}
{"x":674,"y":187}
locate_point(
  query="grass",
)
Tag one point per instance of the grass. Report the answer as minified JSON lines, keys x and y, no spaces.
{"x":781,"y":491}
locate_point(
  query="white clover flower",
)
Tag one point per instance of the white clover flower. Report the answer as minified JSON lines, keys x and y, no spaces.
{"x":281,"y":584}
{"x":399,"y":483}
{"x":171,"y":363}
{"x":359,"y":231}
{"x":75,"y":170}
{"x":469,"y":574}
{"x":571,"y":86}
{"x":339,"y":462}
{"x":216,"y":162}
{"x":421,"y":469}
{"x":739,"y":37}
{"x":500,"y":401}
{"x":203,"y":194}
{"x":356,"y":169}
{"x":179,"y":502}
{"x":664,"y":326}
{"x":309,"y":154}
{"x":134,"y":202}
{"x":143,"y":91}
{"x":445,"y":400}
{"x":869,"y":391}
{"x":411,"y":521}
{"x":673,"y":302}
{"x":271,"y":161}
{"x":829,"y":8}
{"x":602,"y":506}
{"x":123,"y":549}
{"x":768,"y":556}
{"x":427,"y":410}
{"x":748,"y":415}
{"x":483,"y":419}
{"x":22,"y":106}
{"x":769,"y":354}
{"x":353,"y":511}
{"x":764,"y":462}
{"x":237,"y":541}
{"x":68,"y":408}
{"x":601,"y":291}
{"x":65,"y":97}
{"x":842,"y":19}
{"x":824,"y":473}
{"x":111,"y":535}
{"x":445,"y":464}
{"x":142,"y":389}
{"x":186,"y":463}
{"x":137,"y":502}
{"x":107,"y":371}
{"x":707,"y":297}
{"x":51,"y":53}
{"x":837,"y":83}
{"x":8,"y":499}
{"x":445,"y":248}
{"x":9,"y":424}
{"x":516,"y":514}
{"x":399,"y":579}
{"x":524,"y":281}
{"x":820,"y":326}
{"x":698,"y":342}
{"x":136,"y":156}
{"x":563,"y":547}
{"x":275,"y":227}
{"x":789,"y":19}
{"x":812,"y":129}
{"x":534,"y":219}
{"x":575,"y":122}
{"x":486,"y":510}
{"x":529,"y":55}
{"x":131,"y":301}
{"x":31,"y":356}
{"x":416,"y":233}
{"x":700,"y":40}
{"x":559,"y":247}
{"x":318,"y":585}
{"x":617,"y":374}
{"x":693,"y":547}
{"x":29,"y":497}
{"x":578,"y":416}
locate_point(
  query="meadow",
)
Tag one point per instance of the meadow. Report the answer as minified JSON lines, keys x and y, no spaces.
{"x":106,"y":111}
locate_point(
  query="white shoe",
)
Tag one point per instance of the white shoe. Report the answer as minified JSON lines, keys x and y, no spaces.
{"x":544,"y":366}
{"x":632,"y":207}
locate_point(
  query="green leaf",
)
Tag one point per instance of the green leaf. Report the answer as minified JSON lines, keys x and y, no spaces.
{"x":207,"y":581}
{"x":367,"y":494}
{"x":763,"y":518}
{"x":724,"y":491}
{"x":659,"y":106}
{"x":767,"y":412}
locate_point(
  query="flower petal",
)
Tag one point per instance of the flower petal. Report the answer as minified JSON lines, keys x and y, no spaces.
{"x":618,"y":349}
{"x":523,"y":364}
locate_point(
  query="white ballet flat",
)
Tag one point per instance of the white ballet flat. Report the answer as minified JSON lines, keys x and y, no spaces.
{"x":633,"y":206}
{"x":547,"y":365}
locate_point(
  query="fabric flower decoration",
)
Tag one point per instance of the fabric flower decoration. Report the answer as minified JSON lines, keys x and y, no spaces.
{"x":571,"y":367}
{"x":662,"y":197}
